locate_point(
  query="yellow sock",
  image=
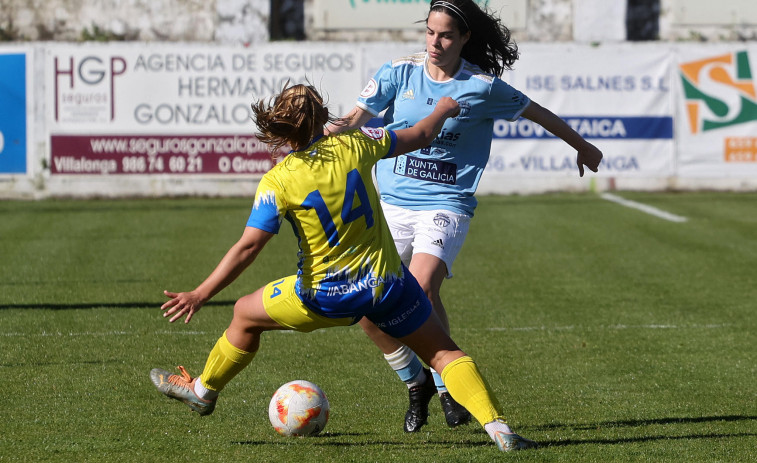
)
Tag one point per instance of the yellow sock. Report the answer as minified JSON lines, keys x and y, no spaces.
{"x":466,"y":385}
{"x":223,"y":364}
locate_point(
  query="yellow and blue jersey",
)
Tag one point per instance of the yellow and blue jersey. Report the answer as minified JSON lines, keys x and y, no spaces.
{"x":348,"y":264}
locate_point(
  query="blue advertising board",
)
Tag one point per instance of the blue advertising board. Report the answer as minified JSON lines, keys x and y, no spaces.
{"x":12,"y":113}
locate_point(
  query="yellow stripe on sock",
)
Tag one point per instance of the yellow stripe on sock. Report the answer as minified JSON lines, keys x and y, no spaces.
{"x":466,"y":385}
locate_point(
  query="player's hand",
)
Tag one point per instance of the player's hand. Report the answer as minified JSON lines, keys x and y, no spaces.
{"x":450,"y":107}
{"x":588,"y":156}
{"x":181,"y":304}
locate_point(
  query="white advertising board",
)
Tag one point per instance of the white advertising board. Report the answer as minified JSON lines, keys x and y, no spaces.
{"x":178,"y":109}
{"x":164,"y":119}
{"x":617,"y":97}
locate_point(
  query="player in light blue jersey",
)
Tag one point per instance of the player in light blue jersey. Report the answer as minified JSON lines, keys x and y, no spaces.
{"x":428,"y":195}
{"x":348,"y":266}
{"x":406,"y":88}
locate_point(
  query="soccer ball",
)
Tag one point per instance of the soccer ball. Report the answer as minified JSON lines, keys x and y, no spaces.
{"x":298,"y":408}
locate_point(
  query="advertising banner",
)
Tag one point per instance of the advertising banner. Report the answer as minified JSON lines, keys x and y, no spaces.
{"x":618,"y":97}
{"x":178,"y":109}
{"x":13,"y":100}
{"x":184,"y":109}
{"x":717,"y":110}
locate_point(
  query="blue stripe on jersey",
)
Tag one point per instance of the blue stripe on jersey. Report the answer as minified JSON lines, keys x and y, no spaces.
{"x":595,"y":127}
{"x":610,"y":127}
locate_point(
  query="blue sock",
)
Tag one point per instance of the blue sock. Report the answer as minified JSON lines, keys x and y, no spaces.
{"x":438,"y":381}
{"x":405,"y":363}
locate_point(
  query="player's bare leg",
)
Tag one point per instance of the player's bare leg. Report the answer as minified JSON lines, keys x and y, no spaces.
{"x":464,"y":382}
{"x":408,"y":367}
{"x":431,"y":271}
{"x":233,"y":351}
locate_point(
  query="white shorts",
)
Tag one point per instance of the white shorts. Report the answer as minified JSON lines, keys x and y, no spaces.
{"x":440,"y":233}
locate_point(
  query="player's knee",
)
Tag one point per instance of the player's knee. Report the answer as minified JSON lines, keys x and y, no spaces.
{"x":243,"y":315}
{"x":441,"y":359}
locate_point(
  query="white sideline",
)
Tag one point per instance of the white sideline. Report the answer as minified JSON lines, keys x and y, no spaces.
{"x":643,"y":207}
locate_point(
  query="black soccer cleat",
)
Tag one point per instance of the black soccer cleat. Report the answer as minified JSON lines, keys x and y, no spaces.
{"x":454,"y":413}
{"x":417,"y":410}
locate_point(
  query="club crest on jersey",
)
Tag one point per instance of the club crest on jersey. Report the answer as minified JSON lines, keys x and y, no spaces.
{"x":377,"y":133}
{"x":441,"y":220}
{"x":464,"y":109}
{"x":370,"y":89}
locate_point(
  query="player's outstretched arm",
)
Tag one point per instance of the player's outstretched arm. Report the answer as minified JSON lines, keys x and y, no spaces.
{"x":423,"y":133}
{"x":354,"y":119}
{"x":236,"y":260}
{"x":588,"y":154}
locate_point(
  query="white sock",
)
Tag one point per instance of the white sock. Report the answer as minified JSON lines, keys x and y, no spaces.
{"x":203,"y":392}
{"x":496,"y":426}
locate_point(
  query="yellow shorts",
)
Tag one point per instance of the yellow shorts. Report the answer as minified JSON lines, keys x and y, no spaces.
{"x":286,"y":308}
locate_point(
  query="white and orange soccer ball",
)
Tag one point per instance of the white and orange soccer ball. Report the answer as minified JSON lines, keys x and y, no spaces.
{"x":298,"y":408}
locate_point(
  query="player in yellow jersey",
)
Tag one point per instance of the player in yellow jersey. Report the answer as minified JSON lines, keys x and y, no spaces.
{"x":348,"y":266}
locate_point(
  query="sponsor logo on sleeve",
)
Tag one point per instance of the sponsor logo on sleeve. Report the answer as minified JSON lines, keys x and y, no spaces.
{"x":370,"y":89}
{"x":376,"y":133}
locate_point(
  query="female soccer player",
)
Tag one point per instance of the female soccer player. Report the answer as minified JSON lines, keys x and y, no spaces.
{"x":428,"y":195}
{"x":348,"y":266}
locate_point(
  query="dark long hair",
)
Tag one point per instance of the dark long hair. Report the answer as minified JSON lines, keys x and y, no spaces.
{"x":490,"y":46}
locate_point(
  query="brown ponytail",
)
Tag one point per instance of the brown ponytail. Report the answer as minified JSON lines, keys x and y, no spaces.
{"x":293,"y":117}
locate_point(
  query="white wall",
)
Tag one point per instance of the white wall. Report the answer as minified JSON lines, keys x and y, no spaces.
{"x":223,"y":21}
{"x":706,"y":20}
{"x":246,"y":21}
{"x":599,"y":21}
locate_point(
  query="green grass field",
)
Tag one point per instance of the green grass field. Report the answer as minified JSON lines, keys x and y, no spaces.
{"x":608,"y":334}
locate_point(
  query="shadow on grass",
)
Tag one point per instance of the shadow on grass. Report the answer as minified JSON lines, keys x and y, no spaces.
{"x":630,"y":440}
{"x":101,"y":305}
{"x":639,"y":423}
{"x":334,"y":440}
{"x":635,"y":423}
{"x":324,"y":435}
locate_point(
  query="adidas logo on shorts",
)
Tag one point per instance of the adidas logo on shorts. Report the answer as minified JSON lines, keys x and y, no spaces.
{"x":439,"y":243}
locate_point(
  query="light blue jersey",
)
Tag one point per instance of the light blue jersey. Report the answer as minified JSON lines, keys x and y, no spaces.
{"x":445,"y":174}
